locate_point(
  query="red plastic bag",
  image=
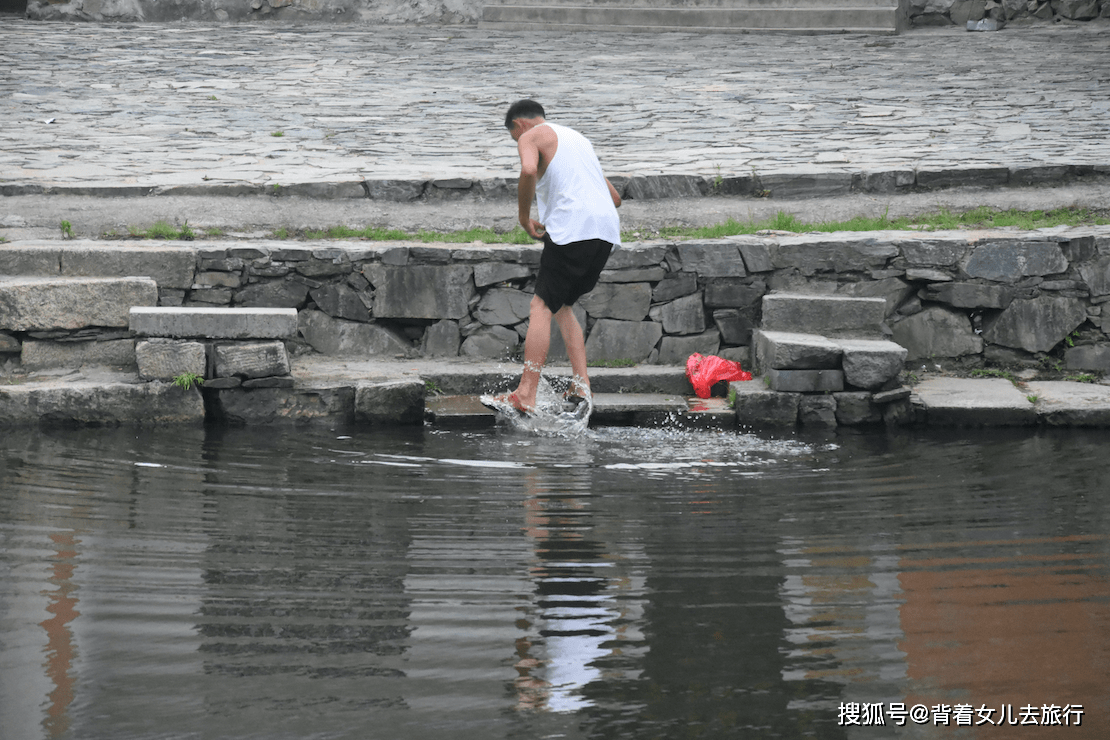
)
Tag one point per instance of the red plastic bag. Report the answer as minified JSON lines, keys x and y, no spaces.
{"x":704,"y":372}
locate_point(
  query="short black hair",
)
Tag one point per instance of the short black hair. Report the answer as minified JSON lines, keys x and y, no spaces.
{"x":523,"y":109}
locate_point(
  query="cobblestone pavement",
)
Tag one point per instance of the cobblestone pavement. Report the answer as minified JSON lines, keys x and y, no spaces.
{"x":175,"y":104}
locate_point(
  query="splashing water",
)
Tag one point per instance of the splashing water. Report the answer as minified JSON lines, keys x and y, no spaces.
{"x":554,"y":414}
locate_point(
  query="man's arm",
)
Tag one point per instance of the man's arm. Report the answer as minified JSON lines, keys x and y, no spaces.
{"x":613,"y":193}
{"x":526,"y":185}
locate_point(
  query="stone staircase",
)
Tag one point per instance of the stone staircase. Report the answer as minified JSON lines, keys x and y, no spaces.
{"x":702,"y":16}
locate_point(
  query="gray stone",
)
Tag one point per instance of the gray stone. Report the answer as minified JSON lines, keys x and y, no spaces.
{"x":681,"y":316}
{"x":676,"y":350}
{"x":441,"y":339}
{"x":653,"y":187}
{"x":396,"y":402}
{"x":713,"y":258}
{"x":1009,"y":261}
{"x":832,"y":253}
{"x":216,"y":279}
{"x":503,"y":307}
{"x":491,"y":273}
{"x":927,"y":275}
{"x":806,"y":381}
{"x":817,"y":411}
{"x":421,"y":291}
{"x":733,"y":293}
{"x":758,"y":407}
{"x":329,"y":404}
{"x":337,"y":337}
{"x":633,"y":275}
{"x":937,"y":332}
{"x":900,"y":393}
{"x":856,"y":408}
{"x":791,"y":351}
{"x":219,"y":384}
{"x":933,"y":252}
{"x":1097,"y":276}
{"x":495,"y":342}
{"x":1071,"y":404}
{"x":1088,"y":357}
{"x":1077,"y":10}
{"x":674,"y":285}
{"x":394,"y":190}
{"x":969,"y":295}
{"x":40,"y":260}
{"x":210,"y":297}
{"x":807,"y":185}
{"x":818,"y":314}
{"x":963,"y":177}
{"x":251,"y":359}
{"x":170,"y":267}
{"x":114,"y":353}
{"x":273,"y":381}
{"x":974,"y":402}
{"x":276,"y":294}
{"x":100,"y":404}
{"x":757,"y":257}
{"x":636,"y":256}
{"x":871,"y":364}
{"x":641,"y":409}
{"x":892,"y":290}
{"x":165,"y":359}
{"x":1036,"y":325}
{"x":622,"y":301}
{"x":215,"y":323}
{"x":342,"y":302}
{"x":734,"y":325}
{"x":8,"y":344}
{"x":611,"y":339}
{"x":71,"y":303}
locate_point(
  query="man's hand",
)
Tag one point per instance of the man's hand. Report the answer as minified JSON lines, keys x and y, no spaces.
{"x":534,"y":228}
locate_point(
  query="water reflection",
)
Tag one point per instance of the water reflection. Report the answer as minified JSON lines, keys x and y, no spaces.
{"x":625,"y":584}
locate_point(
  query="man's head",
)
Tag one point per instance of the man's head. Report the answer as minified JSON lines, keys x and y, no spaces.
{"x":525,"y":110}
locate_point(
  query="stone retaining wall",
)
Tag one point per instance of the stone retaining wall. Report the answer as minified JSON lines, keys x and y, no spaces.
{"x":453,"y":12}
{"x":1023,"y":298}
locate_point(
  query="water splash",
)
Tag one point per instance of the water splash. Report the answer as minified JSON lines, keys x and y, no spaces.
{"x":555,"y":413}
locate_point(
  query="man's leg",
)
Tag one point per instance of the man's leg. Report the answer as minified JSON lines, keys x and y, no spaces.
{"x":576,"y":348}
{"x":536,"y":344}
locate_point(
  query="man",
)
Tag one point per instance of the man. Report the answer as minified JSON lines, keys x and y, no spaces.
{"x":579,"y":226}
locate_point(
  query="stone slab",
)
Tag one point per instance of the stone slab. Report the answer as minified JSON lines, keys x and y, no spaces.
{"x":708,"y":413}
{"x":29,"y":304}
{"x":806,"y":381}
{"x":640,"y":409}
{"x":99,"y":404}
{"x":822,"y":314}
{"x":459,"y":411}
{"x":1071,"y":404}
{"x":871,"y":363}
{"x":973,"y":402}
{"x":758,"y":406}
{"x":215,"y":323}
{"x":38,"y":355}
{"x":794,"y":351}
{"x":250,"y":359}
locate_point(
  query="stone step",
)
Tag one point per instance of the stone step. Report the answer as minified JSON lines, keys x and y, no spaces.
{"x":722,"y":16}
{"x":610,"y":409}
{"x":973,"y":402}
{"x":61,"y":303}
{"x":215,"y":323}
{"x":168,"y":265}
{"x":826,"y":315}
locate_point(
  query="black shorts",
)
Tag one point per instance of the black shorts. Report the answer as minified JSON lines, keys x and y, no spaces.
{"x":569,"y":271}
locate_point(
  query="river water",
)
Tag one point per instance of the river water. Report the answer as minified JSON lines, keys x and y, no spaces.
{"x":626,"y":583}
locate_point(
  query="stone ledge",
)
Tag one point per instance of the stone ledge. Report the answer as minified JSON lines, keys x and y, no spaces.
{"x":215,"y":323}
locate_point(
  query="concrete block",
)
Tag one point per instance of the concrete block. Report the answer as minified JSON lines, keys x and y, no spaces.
{"x":396,"y":402}
{"x":250,"y":359}
{"x":822,"y":314}
{"x":806,"y":381}
{"x":165,"y":359}
{"x":791,"y":351}
{"x":29,"y":304}
{"x":215,"y":323}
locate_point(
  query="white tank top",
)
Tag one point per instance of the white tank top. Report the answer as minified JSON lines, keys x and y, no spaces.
{"x":574,"y":201}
